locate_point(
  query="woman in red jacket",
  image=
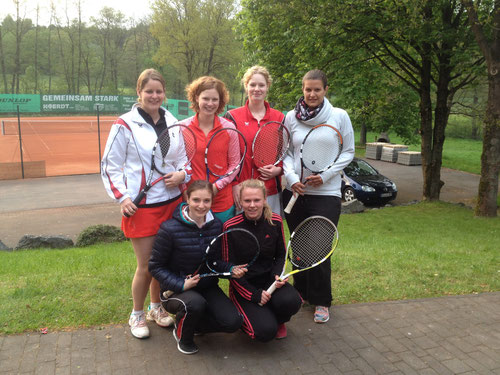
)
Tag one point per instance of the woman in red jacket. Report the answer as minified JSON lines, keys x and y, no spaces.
{"x":248,"y":119}
{"x":208,"y":97}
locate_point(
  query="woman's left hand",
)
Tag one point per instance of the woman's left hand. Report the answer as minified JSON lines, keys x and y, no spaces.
{"x":269,"y":171}
{"x":279,"y":282}
{"x":173,"y":179}
{"x":239,"y":271}
{"x":315,"y":180}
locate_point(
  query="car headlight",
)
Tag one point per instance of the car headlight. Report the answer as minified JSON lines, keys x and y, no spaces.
{"x":367,"y":188}
{"x":394,"y":186}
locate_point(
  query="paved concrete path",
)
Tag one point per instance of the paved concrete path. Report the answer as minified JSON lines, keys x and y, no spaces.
{"x":437,"y":336}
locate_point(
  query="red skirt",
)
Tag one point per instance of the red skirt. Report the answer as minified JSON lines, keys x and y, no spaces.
{"x":147,"y":220}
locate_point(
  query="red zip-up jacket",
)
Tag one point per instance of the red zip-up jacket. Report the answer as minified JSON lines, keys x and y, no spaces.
{"x":248,"y":125}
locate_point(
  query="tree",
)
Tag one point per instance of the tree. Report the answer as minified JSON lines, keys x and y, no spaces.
{"x":484,"y":18}
{"x":23,"y":25}
{"x":2,"y":63}
{"x":196,"y":37}
{"x":427,"y":45}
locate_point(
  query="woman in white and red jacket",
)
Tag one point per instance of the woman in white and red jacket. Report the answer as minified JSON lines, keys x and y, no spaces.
{"x":264,"y":322}
{"x":248,"y":119}
{"x":125,"y":165}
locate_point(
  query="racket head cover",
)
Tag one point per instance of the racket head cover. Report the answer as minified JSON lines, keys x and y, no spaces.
{"x":270,"y":144}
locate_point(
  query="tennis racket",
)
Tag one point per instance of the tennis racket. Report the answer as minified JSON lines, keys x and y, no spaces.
{"x":248,"y":251}
{"x":319,"y":151}
{"x":270,"y":144}
{"x":221,"y":159}
{"x":173,"y":150}
{"x":311,"y":243}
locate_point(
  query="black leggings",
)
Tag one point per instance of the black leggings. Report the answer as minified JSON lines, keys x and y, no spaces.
{"x":314,"y":285}
{"x":261,"y":322}
{"x":203,"y":311}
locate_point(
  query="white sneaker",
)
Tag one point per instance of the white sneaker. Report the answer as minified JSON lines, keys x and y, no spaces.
{"x":138,"y":326}
{"x":160,"y":316}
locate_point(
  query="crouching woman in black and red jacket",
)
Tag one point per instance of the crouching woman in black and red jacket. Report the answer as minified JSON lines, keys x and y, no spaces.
{"x":248,"y":293}
{"x":198,"y":303}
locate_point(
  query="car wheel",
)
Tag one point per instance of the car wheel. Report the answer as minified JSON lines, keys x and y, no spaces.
{"x":348,"y":194}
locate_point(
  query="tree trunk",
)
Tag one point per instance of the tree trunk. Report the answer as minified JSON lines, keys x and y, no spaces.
{"x":426,"y":122}
{"x":490,"y":158}
{"x":49,"y":54}
{"x":2,"y":61}
{"x":36,"y":50}
{"x":78,"y":73}
{"x":17,"y":57}
{"x":362,"y":134}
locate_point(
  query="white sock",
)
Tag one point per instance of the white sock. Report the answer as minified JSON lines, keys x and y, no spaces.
{"x":137,"y":312}
{"x":154,"y":305}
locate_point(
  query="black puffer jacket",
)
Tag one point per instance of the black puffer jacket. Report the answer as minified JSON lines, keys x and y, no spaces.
{"x":178,"y":250}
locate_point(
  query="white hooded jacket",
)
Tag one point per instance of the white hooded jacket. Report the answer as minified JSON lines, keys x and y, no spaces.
{"x":332,"y":181}
{"x":126,"y":162}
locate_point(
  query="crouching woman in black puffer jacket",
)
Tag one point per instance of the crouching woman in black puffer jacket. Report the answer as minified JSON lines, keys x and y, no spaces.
{"x":198,"y":303}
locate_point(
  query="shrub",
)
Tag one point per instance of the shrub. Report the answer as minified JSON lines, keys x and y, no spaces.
{"x":99,"y":233}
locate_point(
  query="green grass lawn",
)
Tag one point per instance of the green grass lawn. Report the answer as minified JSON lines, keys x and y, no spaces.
{"x":458,"y":153}
{"x":423,"y":250}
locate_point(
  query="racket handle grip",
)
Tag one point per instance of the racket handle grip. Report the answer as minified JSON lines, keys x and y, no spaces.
{"x":291,"y":203}
{"x":137,"y":200}
{"x":270,"y":290}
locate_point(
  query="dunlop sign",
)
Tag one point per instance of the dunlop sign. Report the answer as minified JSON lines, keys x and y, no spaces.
{"x":27,"y":103}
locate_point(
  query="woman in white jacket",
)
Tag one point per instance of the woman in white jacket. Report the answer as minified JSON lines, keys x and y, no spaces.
{"x":321,"y":195}
{"x":125,"y":165}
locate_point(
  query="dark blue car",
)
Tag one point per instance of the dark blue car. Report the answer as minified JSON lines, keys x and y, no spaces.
{"x":363,"y":182}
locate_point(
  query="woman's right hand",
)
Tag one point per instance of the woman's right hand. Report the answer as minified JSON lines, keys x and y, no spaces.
{"x":127,"y":207}
{"x":298,"y":188}
{"x":236,"y":196}
{"x":191,"y":281}
{"x":264,"y":297}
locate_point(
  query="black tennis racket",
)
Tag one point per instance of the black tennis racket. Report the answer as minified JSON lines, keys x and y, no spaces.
{"x":174,"y":149}
{"x":248,"y":252}
{"x":270,"y":144}
{"x":311,"y":243}
{"x":319,"y":151}
{"x":224,"y":153}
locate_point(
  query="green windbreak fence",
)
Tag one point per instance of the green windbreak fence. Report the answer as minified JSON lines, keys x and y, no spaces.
{"x":63,"y":134}
{"x":67,"y":104}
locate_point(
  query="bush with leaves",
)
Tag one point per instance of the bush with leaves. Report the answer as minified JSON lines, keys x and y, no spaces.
{"x":100,"y":233}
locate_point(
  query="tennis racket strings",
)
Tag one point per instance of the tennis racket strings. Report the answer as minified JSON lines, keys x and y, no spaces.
{"x":312,"y":242}
{"x":270,"y":144}
{"x":321,"y":149}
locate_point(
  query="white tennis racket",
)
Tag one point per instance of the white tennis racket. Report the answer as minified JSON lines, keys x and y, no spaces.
{"x":319,"y":151}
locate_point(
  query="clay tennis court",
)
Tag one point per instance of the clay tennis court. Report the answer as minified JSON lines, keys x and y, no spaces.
{"x":52,"y":146}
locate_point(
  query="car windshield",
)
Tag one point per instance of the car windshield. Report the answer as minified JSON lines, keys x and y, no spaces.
{"x":359,"y":168}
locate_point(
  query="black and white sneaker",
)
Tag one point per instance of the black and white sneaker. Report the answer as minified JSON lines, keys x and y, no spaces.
{"x":185,"y":347}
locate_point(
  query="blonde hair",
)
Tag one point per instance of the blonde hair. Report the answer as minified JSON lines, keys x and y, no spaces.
{"x":258,"y":184}
{"x":195,"y":88}
{"x":256,"y":69}
{"x":148,"y":75}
